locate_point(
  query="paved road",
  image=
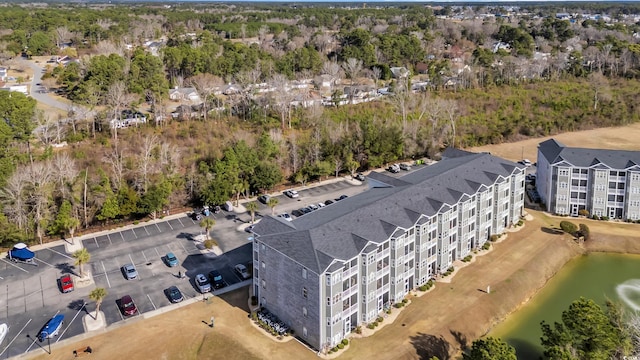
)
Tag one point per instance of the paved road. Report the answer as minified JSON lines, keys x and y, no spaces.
{"x":44,"y":98}
{"x":30,"y":295}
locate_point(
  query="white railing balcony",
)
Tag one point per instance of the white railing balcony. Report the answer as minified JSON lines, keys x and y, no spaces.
{"x":350,"y":310}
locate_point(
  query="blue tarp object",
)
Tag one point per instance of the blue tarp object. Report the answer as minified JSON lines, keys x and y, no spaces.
{"x":21,"y":254}
{"x":51,"y":327}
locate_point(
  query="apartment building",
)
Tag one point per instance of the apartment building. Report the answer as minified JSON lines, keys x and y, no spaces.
{"x":602,"y":182}
{"x":338,"y":267}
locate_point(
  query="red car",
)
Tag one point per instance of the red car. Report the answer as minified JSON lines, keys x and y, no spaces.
{"x":66,"y":283}
{"x":128,"y":306}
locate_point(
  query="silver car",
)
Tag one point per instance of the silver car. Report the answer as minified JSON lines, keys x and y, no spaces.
{"x":202,"y":283}
{"x":130,"y":272}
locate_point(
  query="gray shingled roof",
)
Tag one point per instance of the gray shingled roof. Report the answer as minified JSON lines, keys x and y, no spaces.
{"x":555,"y":151}
{"x":341,"y":230}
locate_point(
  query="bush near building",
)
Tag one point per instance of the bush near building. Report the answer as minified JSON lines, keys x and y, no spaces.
{"x":568,"y":227}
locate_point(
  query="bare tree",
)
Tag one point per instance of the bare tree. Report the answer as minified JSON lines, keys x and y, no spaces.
{"x":13,"y":197}
{"x":64,"y":171}
{"x":39,"y":176}
{"x":146,"y":159}
{"x":452,"y":111}
{"x":116,"y":99}
{"x":282,"y":98}
{"x":116,"y":160}
{"x":62,"y":35}
{"x":352,"y":68}
{"x":205,"y":84}
{"x":338,"y":164}
{"x":601,"y":90}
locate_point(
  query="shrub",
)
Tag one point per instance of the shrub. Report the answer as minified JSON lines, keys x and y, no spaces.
{"x":486,"y":246}
{"x":359,"y":330}
{"x":335,"y":349}
{"x":371,"y":326}
{"x":494,"y":238}
{"x":345,"y":342}
{"x":380,"y":319}
{"x":388,"y":311}
{"x":423,"y":287}
{"x":136,"y":222}
{"x":584,"y":231}
{"x":467,"y":258}
{"x":595,"y":217}
{"x":341,"y":346}
{"x":209,"y":244}
{"x":583,"y":212}
{"x":254,"y":316}
{"x":404,"y":301}
{"x":568,"y":227}
{"x":605,"y":218}
{"x":398,"y":305}
{"x":520,"y":222}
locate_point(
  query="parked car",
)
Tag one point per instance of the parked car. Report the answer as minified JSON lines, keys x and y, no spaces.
{"x":264,"y":199}
{"x":405,"y":167}
{"x":292,"y":193}
{"x":242,"y":271}
{"x":127,"y":306}
{"x":393,"y":169}
{"x":171,"y":259}
{"x":329,"y":202}
{"x":66,"y":283}
{"x":321,"y":205}
{"x":342,"y":197}
{"x":130,"y":272}
{"x":216,"y":279}
{"x":297,"y":213}
{"x":313,"y":207}
{"x":306,"y":210}
{"x":174,"y":294}
{"x":202,"y":283}
{"x":286,"y":216}
{"x":360,"y":177}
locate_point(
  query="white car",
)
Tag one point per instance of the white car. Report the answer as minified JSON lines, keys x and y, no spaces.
{"x":292,"y":193}
{"x":202,"y":283}
{"x":286,"y":216}
{"x":321,"y":205}
{"x":242,"y":271}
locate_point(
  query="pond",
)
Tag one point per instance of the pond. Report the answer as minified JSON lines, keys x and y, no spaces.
{"x":598,"y":276}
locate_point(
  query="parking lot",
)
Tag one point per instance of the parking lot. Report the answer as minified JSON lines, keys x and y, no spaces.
{"x":30,"y":295}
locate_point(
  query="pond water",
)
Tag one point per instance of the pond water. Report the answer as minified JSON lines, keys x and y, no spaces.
{"x":597,"y":276}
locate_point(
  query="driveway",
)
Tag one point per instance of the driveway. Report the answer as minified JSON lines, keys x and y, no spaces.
{"x":44,"y":98}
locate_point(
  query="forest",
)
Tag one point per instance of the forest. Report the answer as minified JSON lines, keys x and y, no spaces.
{"x":478,"y":75}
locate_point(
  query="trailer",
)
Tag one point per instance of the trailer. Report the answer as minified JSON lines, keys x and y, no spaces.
{"x":51,"y":328}
{"x":21,"y":253}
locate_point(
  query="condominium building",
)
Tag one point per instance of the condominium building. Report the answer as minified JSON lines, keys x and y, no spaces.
{"x":602,"y":182}
{"x":339,"y":267}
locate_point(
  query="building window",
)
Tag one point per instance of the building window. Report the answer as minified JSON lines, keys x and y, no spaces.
{"x":329,"y":301}
{"x":264,"y":284}
{"x":304,"y":273}
{"x":304,"y":292}
{"x":563,"y":172}
{"x":563,"y":185}
{"x":304,"y":311}
{"x":264,"y":265}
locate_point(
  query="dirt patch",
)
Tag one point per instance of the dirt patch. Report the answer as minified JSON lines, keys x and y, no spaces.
{"x":615,"y":138}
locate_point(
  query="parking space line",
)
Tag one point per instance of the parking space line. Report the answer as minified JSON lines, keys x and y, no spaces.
{"x":134,"y":233}
{"x":122,"y":236}
{"x":36,"y":339}
{"x":158,"y":227}
{"x":180,"y":221}
{"x":96,"y":240}
{"x":145,"y":257}
{"x":109,"y":237}
{"x":61,"y":254}
{"x":8,"y":262}
{"x":152,"y":304}
{"x":157,"y":252}
{"x":169,"y":223}
{"x":145,"y":230}
{"x":105,"y":274}
{"x":119,"y":312}
{"x":15,"y":337}
{"x":70,"y":322}
{"x":44,"y":262}
{"x":183,"y":248}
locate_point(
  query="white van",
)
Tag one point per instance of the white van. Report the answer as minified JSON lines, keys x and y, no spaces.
{"x":228,"y":206}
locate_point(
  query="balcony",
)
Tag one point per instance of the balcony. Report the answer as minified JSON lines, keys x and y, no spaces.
{"x":353,"y":308}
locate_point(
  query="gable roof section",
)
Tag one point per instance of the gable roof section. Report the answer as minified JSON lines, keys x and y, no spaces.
{"x":349,"y":227}
{"x":556,"y":152}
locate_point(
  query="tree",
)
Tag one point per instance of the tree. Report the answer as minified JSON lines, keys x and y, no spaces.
{"x":207,"y":224}
{"x":568,"y":227}
{"x":272,"y":204}
{"x":586,"y":332}
{"x":205,"y":84}
{"x":97,"y":295}
{"x":65,"y":221}
{"x":252,"y":207}
{"x":154,"y":199}
{"x":82,"y":257}
{"x":490,"y":349}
